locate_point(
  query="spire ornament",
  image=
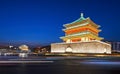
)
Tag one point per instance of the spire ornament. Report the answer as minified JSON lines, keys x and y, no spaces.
{"x":81,"y":14}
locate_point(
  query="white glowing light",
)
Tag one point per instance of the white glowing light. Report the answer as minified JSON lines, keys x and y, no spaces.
{"x":69,"y":49}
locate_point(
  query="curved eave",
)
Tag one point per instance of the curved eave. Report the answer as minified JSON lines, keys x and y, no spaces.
{"x":76,"y":21}
{"x":64,"y":25}
{"x":90,"y":21}
{"x":98,"y":30}
{"x":83,"y":35}
{"x":76,"y":26}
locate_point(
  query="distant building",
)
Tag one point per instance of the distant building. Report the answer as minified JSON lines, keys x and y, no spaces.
{"x":81,"y":36}
{"x":24,"y":48}
{"x":43,"y":49}
{"x":115,"y":46}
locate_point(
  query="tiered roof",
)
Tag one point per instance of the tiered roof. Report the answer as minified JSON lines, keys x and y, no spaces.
{"x":80,"y":24}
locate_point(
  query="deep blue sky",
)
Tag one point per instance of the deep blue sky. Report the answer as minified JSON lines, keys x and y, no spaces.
{"x":41,"y":21}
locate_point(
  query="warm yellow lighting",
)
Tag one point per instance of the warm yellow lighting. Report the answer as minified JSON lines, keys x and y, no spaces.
{"x":68,"y":41}
{"x":23,"y":47}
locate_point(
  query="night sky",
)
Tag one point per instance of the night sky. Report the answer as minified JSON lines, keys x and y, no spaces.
{"x":41,"y":21}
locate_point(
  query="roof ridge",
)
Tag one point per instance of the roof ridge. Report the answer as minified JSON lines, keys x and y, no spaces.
{"x":79,"y":19}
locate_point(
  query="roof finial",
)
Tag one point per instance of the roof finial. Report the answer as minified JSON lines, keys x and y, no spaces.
{"x":81,"y":15}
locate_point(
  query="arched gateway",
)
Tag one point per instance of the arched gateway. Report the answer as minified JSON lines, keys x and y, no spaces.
{"x":68,"y":49}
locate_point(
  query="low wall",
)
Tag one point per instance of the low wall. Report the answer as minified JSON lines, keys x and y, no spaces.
{"x":81,"y":47}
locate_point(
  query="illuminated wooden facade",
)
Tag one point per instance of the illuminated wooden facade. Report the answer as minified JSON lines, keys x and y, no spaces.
{"x":83,"y":29}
